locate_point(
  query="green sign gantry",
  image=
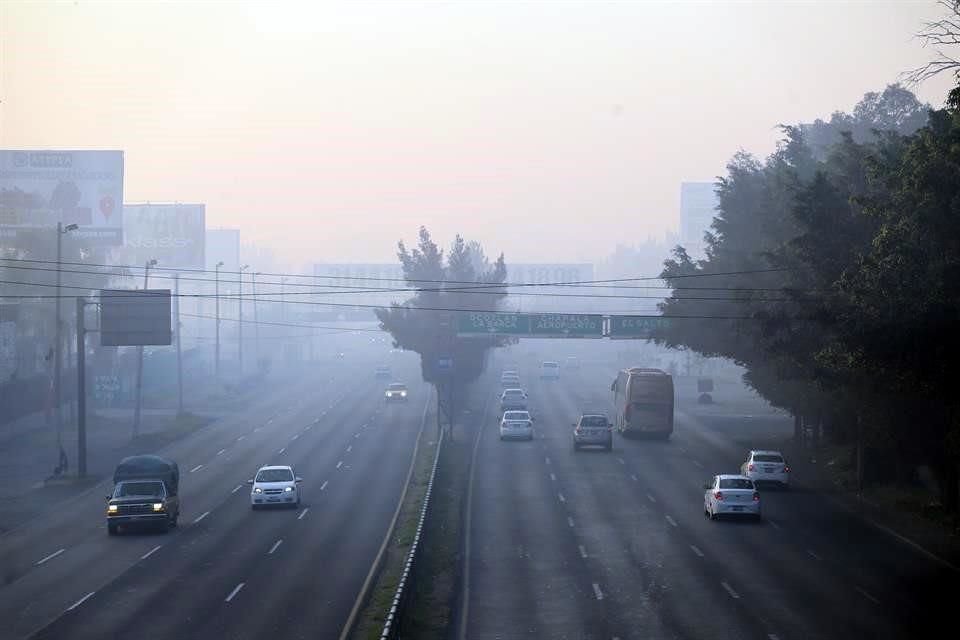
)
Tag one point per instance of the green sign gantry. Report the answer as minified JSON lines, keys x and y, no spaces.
{"x":636,"y":326}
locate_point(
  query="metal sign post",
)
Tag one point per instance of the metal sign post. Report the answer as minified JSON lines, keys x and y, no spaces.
{"x":81,"y":391}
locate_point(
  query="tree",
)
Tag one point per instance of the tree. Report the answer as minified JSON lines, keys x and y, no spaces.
{"x":426,"y":323}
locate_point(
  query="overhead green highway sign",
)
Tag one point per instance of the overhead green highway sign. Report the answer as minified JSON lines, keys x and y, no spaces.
{"x":566,"y":325}
{"x":636,"y":326}
{"x":486,"y":323}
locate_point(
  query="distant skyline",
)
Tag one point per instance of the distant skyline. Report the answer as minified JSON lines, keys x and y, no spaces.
{"x":328,"y":131}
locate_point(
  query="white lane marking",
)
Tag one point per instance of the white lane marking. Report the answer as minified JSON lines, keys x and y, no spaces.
{"x":867,"y":595}
{"x":295,"y":436}
{"x":813,"y":555}
{"x":196,"y":468}
{"x":50,"y":557}
{"x":560,"y":496}
{"x":733,"y":594}
{"x":274,"y":547}
{"x":308,"y":427}
{"x":671,"y":520}
{"x":621,"y":461}
{"x":698,"y":463}
{"x":270,"y":421}
{"x":236,"y":488}
{"x":651,"y":498}
{"x":241,"y":438}
{"x":696,"y":550}
{"x":634,"y":478}
{"x":363,"y":426}
{"x":303,"y":513}
{"x":356,"y":435}
{"x":282,"y":449}
{"x":81,"y":601}
{"x":221,"y":452}
{"x":339,"y":464}
{"x":774,"y":524}
{"x":235,"y":591}
{"x":151,"y":552}
{"x":569,"y":521}
{"x":583,"y":552}
{"x":201,"y":517}
{"x":597,"y":592}
{"x":255,"y":429}
{"x":548,"y":459}
{"x":324,"y":485}
{"x":553,"y":477}
{"x":350,"y":448}
{"x":773,"y":636}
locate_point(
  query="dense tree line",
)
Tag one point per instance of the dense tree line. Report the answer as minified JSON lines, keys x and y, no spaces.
{"x":841,"y":293}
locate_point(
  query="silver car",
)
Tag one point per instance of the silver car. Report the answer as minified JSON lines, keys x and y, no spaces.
{"x":731,"y":495}
{"x":516,"y":425}
{"x":513,"y":400}
{"x":593,"y":429}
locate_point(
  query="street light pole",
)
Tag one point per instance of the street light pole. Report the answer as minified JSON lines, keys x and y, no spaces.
{"x":240,"y":329}
{"x":216,"y":295}
{"x":58,"y":332}
{"x":136,"y":410}
{"x":256,"y":325}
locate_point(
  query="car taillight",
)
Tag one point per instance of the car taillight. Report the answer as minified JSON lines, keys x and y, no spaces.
{"x":718,"y":495}
{"x":578,"y":431}
{"x":749,"y":467}
{"x":756,"y":497}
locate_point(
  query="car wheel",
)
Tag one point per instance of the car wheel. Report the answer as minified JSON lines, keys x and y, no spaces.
{"x":176,"y":520}
{"x":112,"y":529}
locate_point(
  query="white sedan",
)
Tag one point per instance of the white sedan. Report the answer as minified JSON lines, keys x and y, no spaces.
{"x":766,"y":466}
{"x":275,"y":485}
{"x":731,"y":494}
{"x":516,"y":424}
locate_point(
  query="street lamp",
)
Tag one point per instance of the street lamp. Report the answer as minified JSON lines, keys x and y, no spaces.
{"x":58,"y":350}
{"x":216,"y":358}
{"x":136,"y":410}
{"x":240,"y":330}
{"x":256,"y":325}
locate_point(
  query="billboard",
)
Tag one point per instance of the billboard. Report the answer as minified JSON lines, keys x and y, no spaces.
{"x":135,"y":317}
{"x":171,"y":234}
{"x":38,"y":189}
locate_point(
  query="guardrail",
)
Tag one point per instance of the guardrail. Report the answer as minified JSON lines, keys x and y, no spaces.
{"x":393,"y":626}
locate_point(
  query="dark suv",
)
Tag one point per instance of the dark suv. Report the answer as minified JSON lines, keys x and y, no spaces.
{"x":142,"y":503}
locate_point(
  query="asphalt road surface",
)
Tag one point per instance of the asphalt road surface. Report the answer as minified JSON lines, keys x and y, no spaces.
{"x":227,"y":571}
{"x":597,"y":545}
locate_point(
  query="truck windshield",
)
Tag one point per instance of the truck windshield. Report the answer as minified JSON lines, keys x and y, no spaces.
{"x":153,"y":489}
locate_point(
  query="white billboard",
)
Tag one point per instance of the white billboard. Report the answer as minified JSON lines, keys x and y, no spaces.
{"x":171,"y":234}
{"x":39,"y":188}
{"x":548,"y":273}
{"x":223,"y":245}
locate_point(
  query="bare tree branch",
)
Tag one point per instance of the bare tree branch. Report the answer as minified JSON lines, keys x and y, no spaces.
{"x":938,"y":35}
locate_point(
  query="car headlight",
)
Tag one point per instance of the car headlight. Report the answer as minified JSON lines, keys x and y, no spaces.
{"x":288,"y":489}
{"x":158,"y":506}
{"x":387,"y":394}
{"x":112,"y":508}
{"x":257,"y":490}
{"x":403,"y":394}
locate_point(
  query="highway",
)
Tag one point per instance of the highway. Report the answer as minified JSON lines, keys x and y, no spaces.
{"x":227,"y":571}
{"x":597,"y":545}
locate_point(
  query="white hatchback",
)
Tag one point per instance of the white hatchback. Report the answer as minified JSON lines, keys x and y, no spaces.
{"x":516,"y":425}
{"x":731,"y":495}
{"x":275,"y":485}
{"x":766,"y":466}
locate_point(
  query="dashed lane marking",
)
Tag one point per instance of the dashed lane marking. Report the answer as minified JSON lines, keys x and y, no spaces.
{"x":867,"y":595}
{"x":201,"y":517}
{"x":696,"y":550}
{"x":274,"y":547}
{"x":339,"y":464}
{"x":196,"y":468}
{"x":651,"y":498}
{"x":236,"y":488}
{"x":151,"y":552}
{"x":671,"y":520}
{"x":597,"y":592}
{"x":733,"y":594}
{"x":583,"y":552}
{"x":569,"y":521}
{"x":235,"y":591}
{"x":221,"y":452}
{"x":324,"y":485}
{"x":561,"y":498}
{"x":303,"y":513}
{"x":50,"y":557}
{"x":81,"y":601}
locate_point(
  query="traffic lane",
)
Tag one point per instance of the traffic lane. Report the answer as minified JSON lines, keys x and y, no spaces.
{"x":184,"y":578}
{"x":97,"y":559}
{"x":308,"y":586}
{"x":654,"y":584}
{"x":525,"y":578}
{"x":876,"y":563}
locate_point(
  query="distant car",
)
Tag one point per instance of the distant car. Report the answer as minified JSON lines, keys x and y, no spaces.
{"x":511,"y":369}
{"x":383,"y":371}
{"x":593,"y":430}
{"x":766,"y":466}
{"x":572,"y":363}
{"x":509,"y":380}
{"x":516,"y":425}
{"x":731,"y":495}
{"x":275,"y":485}
{"x":550,"y":370}
{"x":396,"y":392}
{"x":513,"y":399}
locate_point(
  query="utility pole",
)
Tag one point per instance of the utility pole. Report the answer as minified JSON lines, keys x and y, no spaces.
{"x":58,"y":331}
{"x":216,"y":295}
{"x":256,"y":325}
{"x":81,"y":391}
{"x":176,"y":315}
{"x":139,"y":390}
{"x":240,"y":335}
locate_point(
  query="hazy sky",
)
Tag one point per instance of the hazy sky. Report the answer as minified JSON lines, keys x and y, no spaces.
{"x":548,"y":130}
